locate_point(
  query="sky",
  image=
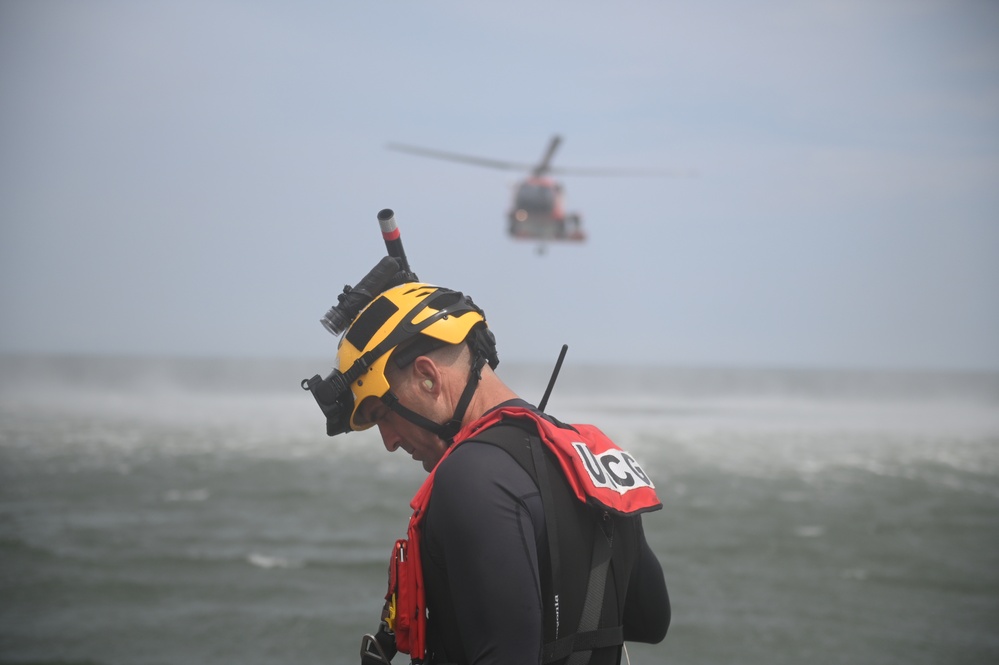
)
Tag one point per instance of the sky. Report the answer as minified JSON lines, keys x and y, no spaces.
{"x":202,"y":178}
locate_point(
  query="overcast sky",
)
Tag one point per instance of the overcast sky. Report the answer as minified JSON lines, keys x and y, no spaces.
{"x":203,"y":178}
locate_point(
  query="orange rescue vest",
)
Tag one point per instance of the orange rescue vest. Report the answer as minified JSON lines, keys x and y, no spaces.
{"x":597,"y":470}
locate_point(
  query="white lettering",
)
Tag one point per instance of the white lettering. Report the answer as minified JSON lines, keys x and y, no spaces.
{"x":556,"y":616}
{"x":614,"y":469}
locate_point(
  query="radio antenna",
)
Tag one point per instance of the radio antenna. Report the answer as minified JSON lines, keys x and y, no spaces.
{"x":393,"y":240}
{"x":551,"y":381}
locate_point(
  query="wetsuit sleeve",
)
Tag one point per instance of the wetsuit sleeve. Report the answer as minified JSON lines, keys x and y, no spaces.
{"x":647,"y":611}
{"x":483,"y":517}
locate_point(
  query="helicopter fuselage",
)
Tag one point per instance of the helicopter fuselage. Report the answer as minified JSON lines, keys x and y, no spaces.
{"x":538,"y":213}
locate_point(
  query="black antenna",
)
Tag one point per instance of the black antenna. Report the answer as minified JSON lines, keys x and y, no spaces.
{"x":551,"y":381}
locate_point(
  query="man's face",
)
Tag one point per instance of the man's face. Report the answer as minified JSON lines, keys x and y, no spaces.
{"x":397,"y":432}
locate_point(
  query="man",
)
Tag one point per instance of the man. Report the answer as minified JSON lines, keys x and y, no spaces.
{"x":526,"y":542}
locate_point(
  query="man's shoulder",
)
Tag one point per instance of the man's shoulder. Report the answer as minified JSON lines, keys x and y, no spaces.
{"x":486,"y":458}
{"x":489,"y":445}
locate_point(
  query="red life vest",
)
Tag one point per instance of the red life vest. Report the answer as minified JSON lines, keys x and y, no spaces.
{"x":597,"y":470}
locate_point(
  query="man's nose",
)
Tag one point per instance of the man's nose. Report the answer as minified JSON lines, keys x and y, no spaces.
{"x":389,"y":437}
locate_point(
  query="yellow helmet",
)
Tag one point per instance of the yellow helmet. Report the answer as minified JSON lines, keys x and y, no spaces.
{"x":427,"y":316}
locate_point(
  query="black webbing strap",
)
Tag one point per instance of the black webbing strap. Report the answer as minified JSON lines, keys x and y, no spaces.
{"x":587,"y":637}
{"x":583,"y":642}
{"x":594,"y":602}
{"x":445,"y":431}
{"x":548,"y":503}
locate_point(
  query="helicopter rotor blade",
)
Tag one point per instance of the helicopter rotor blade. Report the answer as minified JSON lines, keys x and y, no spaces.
{"x":661,"y":173}
{"x":456,"y":157}
{"x":544,"y":166}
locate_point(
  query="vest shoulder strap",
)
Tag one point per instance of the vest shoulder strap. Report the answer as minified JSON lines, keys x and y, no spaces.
{"x":520,"y":440}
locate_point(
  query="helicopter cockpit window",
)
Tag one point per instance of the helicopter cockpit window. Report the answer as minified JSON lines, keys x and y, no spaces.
{"x":536,"y":197}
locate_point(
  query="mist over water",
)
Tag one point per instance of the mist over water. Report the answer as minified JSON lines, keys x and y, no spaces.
{"x":193,"y":511}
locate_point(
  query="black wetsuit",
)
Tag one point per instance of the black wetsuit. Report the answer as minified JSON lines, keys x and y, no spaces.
{"x":486,"y":565}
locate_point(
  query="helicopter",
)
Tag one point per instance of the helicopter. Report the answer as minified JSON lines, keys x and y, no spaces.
{"x":537,"y":212}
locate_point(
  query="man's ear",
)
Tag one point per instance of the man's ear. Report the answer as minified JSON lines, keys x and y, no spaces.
{"x":427,"y":374}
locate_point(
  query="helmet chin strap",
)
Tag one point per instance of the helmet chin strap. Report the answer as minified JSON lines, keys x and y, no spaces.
{"x":447,"y":430}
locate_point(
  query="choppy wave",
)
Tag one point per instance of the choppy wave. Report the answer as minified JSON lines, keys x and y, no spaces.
{"x":153,"y":512}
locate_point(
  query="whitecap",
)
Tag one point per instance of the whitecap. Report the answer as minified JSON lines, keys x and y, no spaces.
{"x":268,"y":562}
{"x":192,"y":496}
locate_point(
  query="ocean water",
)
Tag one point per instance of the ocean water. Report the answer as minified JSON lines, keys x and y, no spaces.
{"x":157,"y":511}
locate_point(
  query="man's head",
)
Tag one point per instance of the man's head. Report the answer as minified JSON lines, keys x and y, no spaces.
{"x":429,"y":386}
{"x":397,"y":327}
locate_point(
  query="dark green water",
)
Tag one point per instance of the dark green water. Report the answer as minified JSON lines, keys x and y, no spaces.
{"x":809,"y":517}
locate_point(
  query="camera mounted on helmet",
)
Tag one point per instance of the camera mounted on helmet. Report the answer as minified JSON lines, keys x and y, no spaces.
{"x":389,"y":314}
